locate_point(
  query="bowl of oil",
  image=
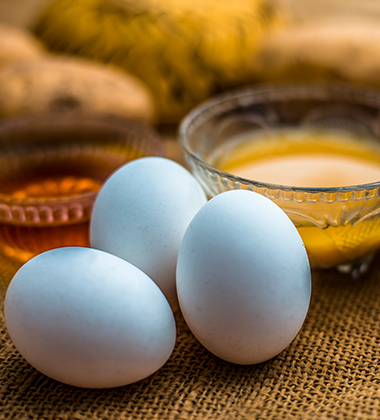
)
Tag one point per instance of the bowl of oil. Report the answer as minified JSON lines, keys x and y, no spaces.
{"x":51,"y":169}
{"x":312,"y":149}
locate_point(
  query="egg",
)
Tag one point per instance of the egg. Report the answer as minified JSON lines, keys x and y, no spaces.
{"x":141,"y":214}
{"x":89,"y":319}
{"x":243,"y":277}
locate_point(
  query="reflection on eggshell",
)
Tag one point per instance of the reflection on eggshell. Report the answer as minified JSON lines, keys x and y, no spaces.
{"x":87,"y":318}
{"x":243,"y":277}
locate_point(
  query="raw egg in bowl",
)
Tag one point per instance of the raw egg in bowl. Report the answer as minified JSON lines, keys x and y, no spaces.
{"x":312,"y":149}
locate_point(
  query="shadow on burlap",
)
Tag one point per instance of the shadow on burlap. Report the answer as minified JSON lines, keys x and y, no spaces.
{"x":330,"y":371}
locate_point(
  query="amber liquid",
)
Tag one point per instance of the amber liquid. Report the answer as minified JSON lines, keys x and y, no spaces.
{"x":313,"y":158}
{"x":52,"y":174}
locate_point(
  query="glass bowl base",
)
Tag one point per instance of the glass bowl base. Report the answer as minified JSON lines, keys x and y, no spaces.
{"x":355,"y":269}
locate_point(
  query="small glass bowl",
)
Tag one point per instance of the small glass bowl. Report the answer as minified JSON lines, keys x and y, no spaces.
{"x":339,"y":226}
{"x":51,"y":169}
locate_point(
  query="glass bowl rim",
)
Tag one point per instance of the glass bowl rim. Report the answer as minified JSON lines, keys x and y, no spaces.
{"x":210,"y":106}
{"x":126,"y":125}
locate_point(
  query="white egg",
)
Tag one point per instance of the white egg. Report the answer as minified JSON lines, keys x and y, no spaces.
{"x":243,"y":277}
{"x":89,"y":319}
{"x":142,"y":213}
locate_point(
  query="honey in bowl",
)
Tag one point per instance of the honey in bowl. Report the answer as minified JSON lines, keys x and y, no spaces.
{"x":50,"y":173}
{"x":312,"y":158}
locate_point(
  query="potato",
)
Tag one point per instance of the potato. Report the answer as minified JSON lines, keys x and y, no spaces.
{"x":17,"y":45}
{"x":58,"y":84}
{"x":334,"y":50}
{"x":184,"y":50}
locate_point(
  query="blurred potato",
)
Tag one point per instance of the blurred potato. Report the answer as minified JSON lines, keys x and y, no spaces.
{"x":345,"y":50}
{"x":18,"y":45}
{"x":61,"y":84}
{"x":184,"y":50}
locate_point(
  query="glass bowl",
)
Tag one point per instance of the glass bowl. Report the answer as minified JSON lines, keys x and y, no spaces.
{"x":340,"y":226}
{"x":51,"y":169}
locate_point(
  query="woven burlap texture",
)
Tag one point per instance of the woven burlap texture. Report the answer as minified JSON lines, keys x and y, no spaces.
{"x":330,"y":371}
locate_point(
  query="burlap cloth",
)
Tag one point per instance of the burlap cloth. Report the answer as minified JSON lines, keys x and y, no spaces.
{"x":330,"y":371}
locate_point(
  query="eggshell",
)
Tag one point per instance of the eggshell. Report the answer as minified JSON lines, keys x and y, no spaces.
{"x":243,"y":277}
{"x":89,"y":319}
{"x":142,"y":213}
